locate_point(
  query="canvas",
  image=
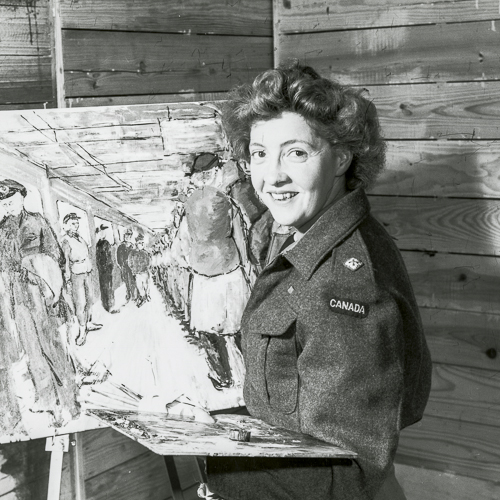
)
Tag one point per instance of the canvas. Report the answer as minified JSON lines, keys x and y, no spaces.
{"x":124,"y":268}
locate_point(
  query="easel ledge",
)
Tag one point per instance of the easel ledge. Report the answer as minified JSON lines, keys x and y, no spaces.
{"x":167,"y":436}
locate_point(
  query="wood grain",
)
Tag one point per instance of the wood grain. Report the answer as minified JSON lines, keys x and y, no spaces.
{"x":465,"y":394}
{"x":147,"y":63}
{"x":465,"y":448}
{"x":462,"y":338}
{"x":312,"y":15}
{"x":458,"y":282}
{"x":467,"y":110}
{"x":425,"y":484}
{"x":26,"y":79}
{"x":26,"y":71}
{"x":24,"y":29}
{"x":141,"y":478}
{"x":145,"y":99}
{"x":247,"y":17}
{"x":104,"y":449}
{"x":463,"y":169}
{"x":440,"y":224}
{"x":411,"y":54}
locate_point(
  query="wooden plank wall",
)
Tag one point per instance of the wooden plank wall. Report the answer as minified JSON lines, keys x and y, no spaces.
{"x":25,"y":54}
{"x":432,"y":69}
{"x":150,"y":51}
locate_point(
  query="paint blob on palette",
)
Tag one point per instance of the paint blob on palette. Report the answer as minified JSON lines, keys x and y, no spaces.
{"x":130,"y":241}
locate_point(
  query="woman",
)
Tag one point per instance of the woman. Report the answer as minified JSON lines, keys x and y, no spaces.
{"x":332,"y":337}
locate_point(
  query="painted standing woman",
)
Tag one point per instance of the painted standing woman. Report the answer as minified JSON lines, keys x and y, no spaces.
{"x":332,"y":337}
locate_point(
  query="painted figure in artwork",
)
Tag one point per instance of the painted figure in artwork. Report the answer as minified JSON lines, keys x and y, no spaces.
{"x":217,"y":250}
{"x":122,"y":253}
{"x":104,"y":261}
{"x":139,"y":262}
{"x":77,"y":275}
{"x":36,"y":371}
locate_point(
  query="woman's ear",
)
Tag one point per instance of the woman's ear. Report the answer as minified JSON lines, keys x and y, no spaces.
{"x":345,"y":159}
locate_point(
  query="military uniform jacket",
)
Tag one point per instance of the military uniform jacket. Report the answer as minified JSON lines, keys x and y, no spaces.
{"x":333,"y":343}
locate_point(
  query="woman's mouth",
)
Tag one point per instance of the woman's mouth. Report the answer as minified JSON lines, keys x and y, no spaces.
{"x":282,"y":196}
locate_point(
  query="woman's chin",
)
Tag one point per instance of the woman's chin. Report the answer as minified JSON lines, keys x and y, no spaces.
{"x":284,"y":219}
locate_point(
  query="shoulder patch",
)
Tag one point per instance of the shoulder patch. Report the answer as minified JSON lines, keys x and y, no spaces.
{"x":349,"y":307}
{"x":353,"y":264}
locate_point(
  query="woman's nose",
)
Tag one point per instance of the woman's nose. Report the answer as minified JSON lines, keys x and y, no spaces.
{"x":274,"y":173}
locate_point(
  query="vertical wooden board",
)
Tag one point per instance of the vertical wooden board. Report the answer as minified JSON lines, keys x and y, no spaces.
{"x":247,"y":17}
{"x":467,"y":110}
{"x":458,"y":169}
{"x":147,"y":63}
{"x":463,"y":338}
{"x":420,"y":483}
{"x":465,"y":394}
{"x":464,"y":448}
{"x":411,"y":54}
{"x":459,"y":282}
{"x":464,"y":226}
{"x":299,"y":16}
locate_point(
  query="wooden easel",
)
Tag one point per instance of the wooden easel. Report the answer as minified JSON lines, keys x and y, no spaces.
{"x":58,"y":445}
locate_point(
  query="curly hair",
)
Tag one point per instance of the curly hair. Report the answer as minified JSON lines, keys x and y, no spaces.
{"x":337,"y":113}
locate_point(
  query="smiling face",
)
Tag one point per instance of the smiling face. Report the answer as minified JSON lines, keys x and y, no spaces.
{"x":295,"y":172}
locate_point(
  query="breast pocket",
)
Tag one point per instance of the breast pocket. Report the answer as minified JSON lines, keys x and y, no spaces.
{"x":273,"y":361}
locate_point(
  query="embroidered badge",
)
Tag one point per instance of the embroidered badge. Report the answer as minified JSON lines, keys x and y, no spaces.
{"x":349,"y":307}
{"x":353,"y":264}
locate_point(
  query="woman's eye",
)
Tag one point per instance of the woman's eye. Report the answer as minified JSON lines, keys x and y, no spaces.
{"x":257,"y":155}
{"x":297,"y":155}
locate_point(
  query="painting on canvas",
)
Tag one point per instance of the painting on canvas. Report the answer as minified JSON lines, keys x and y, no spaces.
{"x":129,"y":244}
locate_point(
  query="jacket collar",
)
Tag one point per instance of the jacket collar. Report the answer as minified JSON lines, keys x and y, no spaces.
{"x":328,"y":231}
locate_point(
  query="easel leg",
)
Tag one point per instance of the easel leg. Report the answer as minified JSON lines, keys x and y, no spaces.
{"x":173,"y":477}
{"x":200,"y":463}
{"x":57,"y":445}
{"x":77,"y":470}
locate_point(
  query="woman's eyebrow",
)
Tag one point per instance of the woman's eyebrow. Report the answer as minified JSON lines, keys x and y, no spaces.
{"x":293,"y":141}
{"x":286,"y":143}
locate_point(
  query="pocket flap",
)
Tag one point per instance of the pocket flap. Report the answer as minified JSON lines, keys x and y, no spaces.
{"x":272,"y":318}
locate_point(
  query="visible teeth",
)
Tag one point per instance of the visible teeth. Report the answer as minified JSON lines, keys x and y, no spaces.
{"x":282,"y":196}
